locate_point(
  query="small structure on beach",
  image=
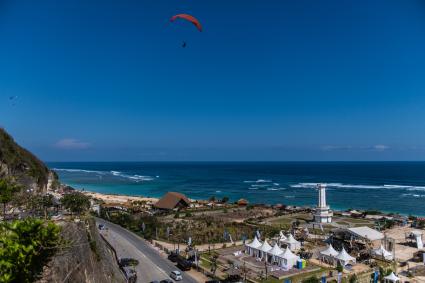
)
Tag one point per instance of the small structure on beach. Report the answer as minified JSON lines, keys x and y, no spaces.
{"x":328,"y":255}
{"x":292,"y":243}
{"x":331,"y":256}
{"x":365,"y":233}
{"x":323,"y":214}
{"x":171,"y":201}
{"x":242,"y":202}
{"x":381,"y":252}
{"x":392,"y":278}
{"x":344,"y":258}
{"x":253,"y":248}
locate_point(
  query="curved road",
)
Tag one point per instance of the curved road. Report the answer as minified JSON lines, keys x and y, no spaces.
{"x":152,"y":266}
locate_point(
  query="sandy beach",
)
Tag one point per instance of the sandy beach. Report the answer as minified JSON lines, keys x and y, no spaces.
{"x":108,"y":198}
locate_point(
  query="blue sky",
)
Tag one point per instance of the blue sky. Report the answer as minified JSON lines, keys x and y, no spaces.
{"x":265,"y":80}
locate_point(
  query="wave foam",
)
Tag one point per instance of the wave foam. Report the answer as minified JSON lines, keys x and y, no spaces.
{"x":352,"y":186}
{"x":136,"y":178}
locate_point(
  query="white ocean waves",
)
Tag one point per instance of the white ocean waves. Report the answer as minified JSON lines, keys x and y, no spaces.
{"x":136,"y":178}
{"x":355,"y":186}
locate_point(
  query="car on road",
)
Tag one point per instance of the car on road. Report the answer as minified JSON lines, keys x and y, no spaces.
{"x":173,"y":257}
{"x":101,"y":227}
{"x":127,"y":262}
{"x":176,"y":275}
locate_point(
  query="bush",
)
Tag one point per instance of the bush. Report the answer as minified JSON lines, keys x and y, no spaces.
{"x":76,"y":202}
{"x":25,"y":246}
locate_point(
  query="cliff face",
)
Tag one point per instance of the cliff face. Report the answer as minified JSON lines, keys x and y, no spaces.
{"x":23,"y":166}
{"x":86,"y":257}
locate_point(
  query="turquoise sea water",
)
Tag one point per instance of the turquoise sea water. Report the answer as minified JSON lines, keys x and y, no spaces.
{"x":387,"y":186}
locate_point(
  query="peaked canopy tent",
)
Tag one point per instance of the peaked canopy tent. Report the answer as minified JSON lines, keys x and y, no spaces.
{"x":344,"y":258}
{"x":253,"y":248}
{"x":291,"y":243}
{"x":329,"y":254}
{"x":274,"y":253}
{"x":392,"y":278}
{"x":282,"y":237}
{"x":381,"y":252}
{"x":265,"y":247}
{"x":288,"y":258}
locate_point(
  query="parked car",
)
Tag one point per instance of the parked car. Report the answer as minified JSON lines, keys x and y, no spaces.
{"x":127,"y":262}
{"x":176,"y":275}
{"x":173,"y":257}
{"x":101,"y":227}
{"x":130,"y":274}
{"x":183,"y":264}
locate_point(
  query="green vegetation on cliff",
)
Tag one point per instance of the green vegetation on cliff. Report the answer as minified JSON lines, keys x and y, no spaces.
{"x":18,"y":162}
{"x":25,"y":246}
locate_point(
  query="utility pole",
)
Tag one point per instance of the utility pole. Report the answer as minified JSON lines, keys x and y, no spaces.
{"x":265,"y":266}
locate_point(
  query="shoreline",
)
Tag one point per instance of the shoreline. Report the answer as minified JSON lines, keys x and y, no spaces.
{"x":122,"y":198}
{"x":116,"y":198}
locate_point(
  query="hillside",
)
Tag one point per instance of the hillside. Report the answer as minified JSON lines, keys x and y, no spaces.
{"x":86,"y":258}
{"x":22,"y":165}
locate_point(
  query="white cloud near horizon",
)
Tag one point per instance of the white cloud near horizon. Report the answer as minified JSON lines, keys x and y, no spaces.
{"x":70,"y":143}
{"x":376,"y":147}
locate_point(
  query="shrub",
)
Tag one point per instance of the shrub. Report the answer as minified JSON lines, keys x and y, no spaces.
{"x":25,"y":246}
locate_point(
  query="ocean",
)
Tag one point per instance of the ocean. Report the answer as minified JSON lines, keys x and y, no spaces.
{"x":387,"y":186}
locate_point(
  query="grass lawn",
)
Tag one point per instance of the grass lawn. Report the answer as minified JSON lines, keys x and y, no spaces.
{"x":296,"y":278}
{"x":286,"y":220}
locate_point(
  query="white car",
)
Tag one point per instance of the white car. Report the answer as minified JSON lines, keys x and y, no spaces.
{"x":176,"y":275}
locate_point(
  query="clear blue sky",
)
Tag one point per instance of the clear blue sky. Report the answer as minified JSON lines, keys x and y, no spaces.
{"x":265,"y":80}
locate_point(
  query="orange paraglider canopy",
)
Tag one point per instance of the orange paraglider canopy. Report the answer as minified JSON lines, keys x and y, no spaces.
{"x":189,"y":18}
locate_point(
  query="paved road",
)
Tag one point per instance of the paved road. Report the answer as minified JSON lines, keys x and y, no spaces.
{"x":152,"y":266}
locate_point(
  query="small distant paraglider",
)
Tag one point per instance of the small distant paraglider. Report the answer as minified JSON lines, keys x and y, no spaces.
{"x":189,"y":18}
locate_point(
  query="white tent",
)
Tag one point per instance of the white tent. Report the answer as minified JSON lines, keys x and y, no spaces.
{"x":265,"y":247}
{"x":328,"y":254}
{"x":282,"y":237}
{"x":381,"y":252}
{"x":344,"y":258}
{"x":392,"y":278}
{"x":253,"y":248}
{"x":291,"y":243}
{"x":288,"y":258}
{"x":275,"y":252}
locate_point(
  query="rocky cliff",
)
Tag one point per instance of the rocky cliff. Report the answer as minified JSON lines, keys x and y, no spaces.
{"x":85,"y":257}
{"x":20,"y":164}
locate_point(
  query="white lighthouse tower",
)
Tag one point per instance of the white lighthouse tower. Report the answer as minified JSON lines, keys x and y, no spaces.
{"x":322,"y":214}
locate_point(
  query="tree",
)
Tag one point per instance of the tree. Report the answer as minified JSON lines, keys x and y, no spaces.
{"x":339,"y":267}
{"x":7,"y":189}
{"x":46,"y":202}
{"x":224,"y":199}
{"x":212,"y":199}
{"x":76,"y":202}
